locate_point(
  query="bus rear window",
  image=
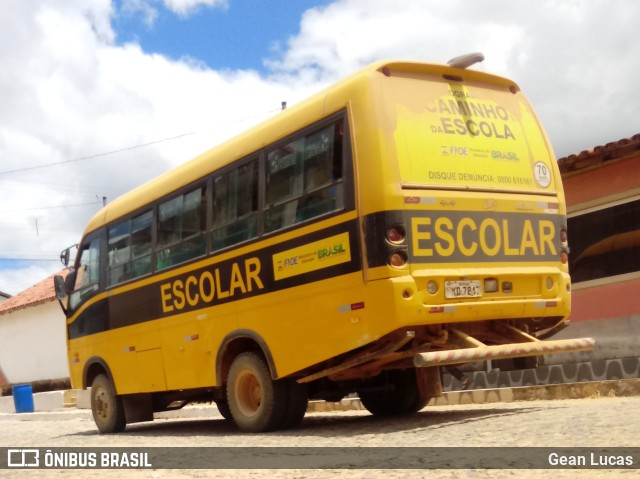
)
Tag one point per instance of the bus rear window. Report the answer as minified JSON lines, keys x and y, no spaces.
{"x":467,"y":135}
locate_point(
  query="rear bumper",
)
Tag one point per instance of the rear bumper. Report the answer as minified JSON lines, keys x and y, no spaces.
{"x":501,"y":351}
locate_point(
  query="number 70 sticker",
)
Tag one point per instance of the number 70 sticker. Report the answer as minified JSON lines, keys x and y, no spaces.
{"x":542,"y":174}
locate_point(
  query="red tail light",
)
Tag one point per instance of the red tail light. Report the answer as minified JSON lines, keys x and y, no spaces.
{"x":564,"y":245}
{"x":398,"y":259}
{"x":396,"y":235}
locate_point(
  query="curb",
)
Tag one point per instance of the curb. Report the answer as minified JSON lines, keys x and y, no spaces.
{"x":621,"y":388}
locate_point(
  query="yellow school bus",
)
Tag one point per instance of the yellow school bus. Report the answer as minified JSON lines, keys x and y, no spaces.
{"x":408,"y":217}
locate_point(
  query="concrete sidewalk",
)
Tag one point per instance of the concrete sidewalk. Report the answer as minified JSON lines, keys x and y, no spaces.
{"x":74,"y":404}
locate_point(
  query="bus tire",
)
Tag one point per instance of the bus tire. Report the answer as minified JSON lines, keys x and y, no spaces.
{"x":223,"y":405}
{"x":256,"y":401}
{"x":297,"y":401}
{"x":107,"y":408}
{"x":223,"y":408}
{"x":400,"y":396}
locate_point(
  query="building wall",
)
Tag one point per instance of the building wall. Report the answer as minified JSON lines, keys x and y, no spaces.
{"x":33,"y":344}
{"x":606,"y":308}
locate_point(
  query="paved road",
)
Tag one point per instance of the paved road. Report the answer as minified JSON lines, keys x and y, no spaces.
{"x":592,"y":423}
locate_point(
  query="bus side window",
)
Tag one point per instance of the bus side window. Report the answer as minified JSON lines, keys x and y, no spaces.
{"x":284,"y":184}
{"x":129,"y":249}
{"x":304,"y":178}
{"x":235,"y":206}
{"x":181,"y":226}
{"x":119,"y":251}
{"x":141,"y":244}
{"x":88,"y":275}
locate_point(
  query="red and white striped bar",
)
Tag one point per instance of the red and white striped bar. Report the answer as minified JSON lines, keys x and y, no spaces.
{"x":501,"y":351}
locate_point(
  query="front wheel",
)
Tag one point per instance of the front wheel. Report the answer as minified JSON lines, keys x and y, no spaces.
{"x":256,"y":402}
{"x":107,"y":408}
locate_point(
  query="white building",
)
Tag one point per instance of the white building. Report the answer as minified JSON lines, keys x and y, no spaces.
{"x":32,"y":336}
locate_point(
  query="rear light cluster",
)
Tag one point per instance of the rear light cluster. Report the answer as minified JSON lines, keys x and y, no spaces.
{"x":396,"y":238}
{"x":564,"y":245}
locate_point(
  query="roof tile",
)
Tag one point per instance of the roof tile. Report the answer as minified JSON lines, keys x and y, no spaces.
{"x":600,"y":154}
{"x":39,"y":293}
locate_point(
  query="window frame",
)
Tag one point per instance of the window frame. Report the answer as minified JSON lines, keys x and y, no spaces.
{"x":347,"y":182}
{"x":257,"y":158}
{"x":157,"y":248}
{"x":613,"y":271}
{"x":129,"y":219}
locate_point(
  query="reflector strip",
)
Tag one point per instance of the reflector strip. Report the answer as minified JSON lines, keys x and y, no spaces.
{"x":545,"y":304}
{"x":351,"y":307}
{"x":502,"y":351}
{"x":415,"y":200}
{"x":442,"y":309}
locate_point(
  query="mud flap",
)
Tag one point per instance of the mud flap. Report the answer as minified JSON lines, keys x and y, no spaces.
{"x":137,"y":407}
{"x":429,"y":382}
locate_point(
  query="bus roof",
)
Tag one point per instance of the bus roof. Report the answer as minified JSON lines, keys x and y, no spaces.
{"x":307,"y":112}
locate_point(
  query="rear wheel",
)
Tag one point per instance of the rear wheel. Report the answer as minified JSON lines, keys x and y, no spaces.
{"x":256,"y":402}
{"x":107,"y":408}
{"x":399,"y":394}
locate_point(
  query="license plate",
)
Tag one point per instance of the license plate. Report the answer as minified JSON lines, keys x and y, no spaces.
{"x":462,"y":289}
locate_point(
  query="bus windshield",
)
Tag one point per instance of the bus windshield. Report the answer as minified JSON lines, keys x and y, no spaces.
{"x":469,"y":135}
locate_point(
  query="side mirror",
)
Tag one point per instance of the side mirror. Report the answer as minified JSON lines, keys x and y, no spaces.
{"x":64,"y":286}
{"x":60,"y":287}
{"x":64,"y":257}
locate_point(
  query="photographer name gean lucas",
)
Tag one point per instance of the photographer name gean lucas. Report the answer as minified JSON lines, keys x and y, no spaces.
{"x":591,"y":459}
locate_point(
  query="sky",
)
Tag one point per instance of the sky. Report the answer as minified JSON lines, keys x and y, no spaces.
{"x":99,"y":96}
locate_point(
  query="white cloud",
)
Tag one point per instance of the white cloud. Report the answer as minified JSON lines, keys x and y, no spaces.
{"x":185,"y":7}
{"x":140,"y":7}
{"x":149,"y":10}
{"x":68,"y":91}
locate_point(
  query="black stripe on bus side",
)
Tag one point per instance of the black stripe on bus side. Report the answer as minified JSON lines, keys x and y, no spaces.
{"x":217,"y":283}
{"x":94,"y":319}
